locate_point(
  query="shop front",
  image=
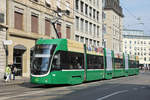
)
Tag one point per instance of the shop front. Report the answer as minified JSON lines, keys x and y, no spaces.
{"x":19,"y":53}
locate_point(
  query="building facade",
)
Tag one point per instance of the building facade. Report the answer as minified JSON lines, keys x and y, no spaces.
{"x":136,"y":43}
{"x":112,"y":25}
{"x":88,"y":21}
{"x":29,"y":20}
{"x":3,"y":28}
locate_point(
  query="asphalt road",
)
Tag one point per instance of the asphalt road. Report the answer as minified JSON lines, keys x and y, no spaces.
{"x":125,"y":88}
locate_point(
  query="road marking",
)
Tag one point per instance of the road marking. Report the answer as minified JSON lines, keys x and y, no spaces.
{"x":115,"y":93}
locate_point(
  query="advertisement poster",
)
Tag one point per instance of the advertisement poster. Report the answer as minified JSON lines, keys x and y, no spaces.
{"x":109,"y":60}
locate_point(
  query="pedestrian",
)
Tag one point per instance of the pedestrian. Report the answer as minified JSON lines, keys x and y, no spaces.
{"x":14,"y":71}
{"x":8,"y":72}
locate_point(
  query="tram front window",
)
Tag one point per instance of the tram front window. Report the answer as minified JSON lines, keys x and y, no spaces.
{"x":41,"y":59}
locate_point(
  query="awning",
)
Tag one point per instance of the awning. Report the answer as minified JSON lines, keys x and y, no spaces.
{"x":20,"y":47}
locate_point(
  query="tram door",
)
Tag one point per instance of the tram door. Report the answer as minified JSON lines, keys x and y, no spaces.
{"x":18,"y":58}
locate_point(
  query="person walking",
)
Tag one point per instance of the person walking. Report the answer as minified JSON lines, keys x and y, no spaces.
{"x":14,"y":71}
{"x":8,"y":72}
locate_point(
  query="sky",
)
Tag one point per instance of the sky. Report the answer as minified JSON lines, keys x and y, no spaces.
{"x":136,"y":14}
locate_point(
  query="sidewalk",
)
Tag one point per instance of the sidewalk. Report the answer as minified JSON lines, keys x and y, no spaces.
{"x":17,"y":81}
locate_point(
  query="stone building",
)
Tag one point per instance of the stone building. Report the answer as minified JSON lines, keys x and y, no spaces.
{"x":112,"y":25}
{"x":138,"y":44}
{"x":88,"y":21}
{"x":3,"y":28}
{"x":29,"y":20}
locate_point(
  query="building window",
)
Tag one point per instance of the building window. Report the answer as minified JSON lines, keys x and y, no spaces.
{"x":134,"y":42}
{"x":93,"y":13}
{"x":94,"y":28}
{"x":86,"y":27}
{"x":77,"y":4}
{"x":81,"y":5}
{"x":90,"y":28}
{"x":68,"y":32}
{"x":94,"y":43}
{"x":34,"y":24}
{"x":18,"y":20}
{"x":98,"y":31}
{"x":97,"y":16}
{"x":81,"y":25}
{"x":77,"y":23}
{"x":90,"y":12}
{"x":90,"y":41}
{"x":98,"y":43}
{"x":86,"y":9}
{"x":144,"y":58}
{"x":47,"y":27}
{"x":125,"y":47}
{"x":86,"y":41}
{"x":77,"y":38}
{"x":82,"y":39}
{"x":135,"y":48}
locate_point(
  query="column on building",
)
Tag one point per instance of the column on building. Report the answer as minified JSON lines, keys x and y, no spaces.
{"x":3,"y":28}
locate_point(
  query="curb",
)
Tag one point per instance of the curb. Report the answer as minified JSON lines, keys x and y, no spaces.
{"x":12,"y":83}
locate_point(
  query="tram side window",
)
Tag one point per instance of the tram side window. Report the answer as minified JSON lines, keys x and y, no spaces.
{"x":95,"y":62}
{"x":137,"y":64}
{"x":76,"y":60}
{"x":57,"y":60}
{"x":118,"y":63}
{"x":132,"y":64}
{"x":68,"y":60}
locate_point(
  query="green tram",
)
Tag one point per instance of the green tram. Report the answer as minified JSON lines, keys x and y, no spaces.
{"x":62,"y":61}
{"x":118,"y":63}
{"x":133,"y":63}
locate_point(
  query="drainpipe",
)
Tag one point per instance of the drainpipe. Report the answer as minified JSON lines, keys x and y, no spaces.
{"x":7,"y":8}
